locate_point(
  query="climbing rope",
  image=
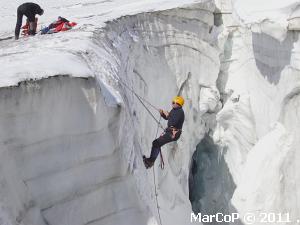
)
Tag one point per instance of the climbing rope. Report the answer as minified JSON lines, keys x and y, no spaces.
{"x":159,"y":125}
{"x":142,"y":100}
{"x":154,"y":179}
{"x":162,"y":163}
{"x":156,"y":195}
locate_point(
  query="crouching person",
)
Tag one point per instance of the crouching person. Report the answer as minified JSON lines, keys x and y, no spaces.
{"x":28,"y":9}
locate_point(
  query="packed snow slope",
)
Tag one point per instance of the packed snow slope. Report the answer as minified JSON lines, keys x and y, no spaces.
{"x":73,"y":132}
{"x":89,"y":15}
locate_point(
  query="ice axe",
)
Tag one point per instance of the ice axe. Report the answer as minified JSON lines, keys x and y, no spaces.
{"x":6,"y":38}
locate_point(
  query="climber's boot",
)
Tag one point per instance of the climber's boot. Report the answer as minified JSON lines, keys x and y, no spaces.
{"x":148,"y":162}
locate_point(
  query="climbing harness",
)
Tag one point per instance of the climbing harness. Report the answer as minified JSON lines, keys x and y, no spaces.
{"x":162,"y":163}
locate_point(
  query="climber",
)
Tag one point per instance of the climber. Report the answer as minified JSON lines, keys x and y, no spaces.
{"x":28,"y":9}
{"x":172,"y":133}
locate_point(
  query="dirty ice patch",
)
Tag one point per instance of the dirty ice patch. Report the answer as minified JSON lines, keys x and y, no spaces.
{"x":38,"y":65}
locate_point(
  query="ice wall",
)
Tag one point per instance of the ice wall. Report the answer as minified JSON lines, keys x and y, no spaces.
{"x":60,"y":158}
{"x":177,"y":42}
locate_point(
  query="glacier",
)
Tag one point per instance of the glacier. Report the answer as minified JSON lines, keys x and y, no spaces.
{"x":73,"y":132}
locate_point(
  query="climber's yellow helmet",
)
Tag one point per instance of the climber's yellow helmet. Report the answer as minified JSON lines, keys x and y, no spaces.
{"x":178,"y":100}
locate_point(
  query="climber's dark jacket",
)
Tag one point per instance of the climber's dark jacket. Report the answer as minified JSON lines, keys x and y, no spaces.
{"x":28,"y":9}
{"x":175,"y":118}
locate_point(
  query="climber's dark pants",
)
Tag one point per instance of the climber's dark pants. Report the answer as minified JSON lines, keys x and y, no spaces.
{"x":165,"y":138}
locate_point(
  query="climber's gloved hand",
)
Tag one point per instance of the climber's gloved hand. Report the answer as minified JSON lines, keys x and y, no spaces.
{"x":161,"y":112}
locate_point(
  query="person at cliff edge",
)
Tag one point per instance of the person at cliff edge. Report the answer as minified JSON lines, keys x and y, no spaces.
{"x":28,"y":9}
{"x":172,"y":133}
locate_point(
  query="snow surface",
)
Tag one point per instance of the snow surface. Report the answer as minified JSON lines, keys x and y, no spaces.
{"x":89,"y":15}
{"x":92,"y":15}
